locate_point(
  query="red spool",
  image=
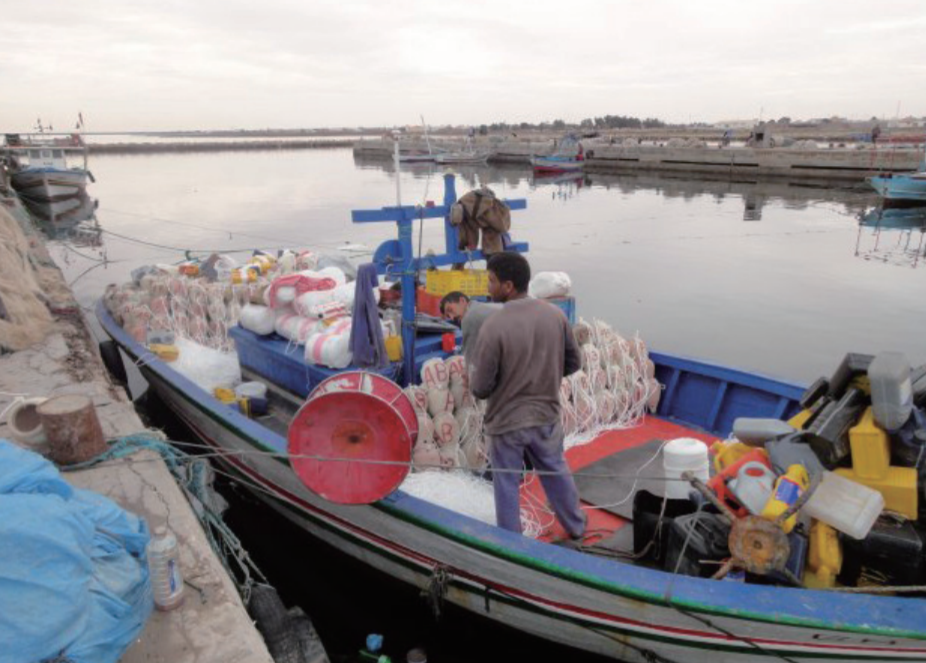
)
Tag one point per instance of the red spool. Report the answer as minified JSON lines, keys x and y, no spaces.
{"x":366,"y":421}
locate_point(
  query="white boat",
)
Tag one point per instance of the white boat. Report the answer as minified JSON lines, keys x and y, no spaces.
{"x":468,"y":155}
{"x":41,"y":171}
{"x":462,"y":158}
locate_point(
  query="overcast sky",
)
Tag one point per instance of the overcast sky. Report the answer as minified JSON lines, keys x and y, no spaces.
{"x":197,"y":64}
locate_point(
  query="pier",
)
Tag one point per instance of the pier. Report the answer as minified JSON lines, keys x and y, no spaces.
{"x":53,"y":353}
{"x":853,"y":163}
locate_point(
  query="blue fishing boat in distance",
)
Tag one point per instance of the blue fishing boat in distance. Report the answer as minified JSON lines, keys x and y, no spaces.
{"x":902,"y":187}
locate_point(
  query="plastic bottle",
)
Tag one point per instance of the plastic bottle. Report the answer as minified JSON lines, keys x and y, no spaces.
{"x":753,"y":486}
{"x":891,"y":390}
{"x":164,"y":565}
{"x":788,"y":488}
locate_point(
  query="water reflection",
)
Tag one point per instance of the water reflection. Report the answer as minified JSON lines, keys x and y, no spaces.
{"x":895,"y":236}
{"x":754,"y":194}
{"x":563,"y":185}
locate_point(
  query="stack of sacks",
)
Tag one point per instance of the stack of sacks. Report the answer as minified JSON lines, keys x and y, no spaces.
{"x":281,"y":311}
{"x":449,"y":418}
{"x":616,"y":385}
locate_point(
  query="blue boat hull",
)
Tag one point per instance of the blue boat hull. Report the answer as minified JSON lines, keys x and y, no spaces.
{"x":901,"y":187}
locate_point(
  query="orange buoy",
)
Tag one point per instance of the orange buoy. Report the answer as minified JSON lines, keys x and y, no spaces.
{"x":351,"y":442}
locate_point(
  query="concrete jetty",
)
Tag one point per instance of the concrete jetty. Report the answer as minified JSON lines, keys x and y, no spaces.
{"x":46,"y":350}
{"x":853,"y":163}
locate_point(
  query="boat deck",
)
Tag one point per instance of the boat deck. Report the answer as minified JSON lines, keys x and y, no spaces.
{"x":603,"y":524}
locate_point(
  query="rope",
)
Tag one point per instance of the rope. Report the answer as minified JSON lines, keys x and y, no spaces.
{"x":193,"y":474}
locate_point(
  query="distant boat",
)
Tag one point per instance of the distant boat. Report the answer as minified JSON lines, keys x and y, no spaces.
{"x":569,"y":156}
{"x":419,"y":156}
{"x":40,"y":169}
{"x":902,"y":187}
{"x":468,"y":155}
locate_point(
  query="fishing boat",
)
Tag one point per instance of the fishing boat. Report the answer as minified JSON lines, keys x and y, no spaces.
{"x":902,"y":188}
{"x":600,"y":605}
{"x":40,"y":166}
{"x":421,"y":156}
{"x":467,"y":155}
{"x":567,"y":157}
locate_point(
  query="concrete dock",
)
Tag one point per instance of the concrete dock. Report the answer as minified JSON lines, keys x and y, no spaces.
{"x":46,"y":350}
{"x":851,"y":163}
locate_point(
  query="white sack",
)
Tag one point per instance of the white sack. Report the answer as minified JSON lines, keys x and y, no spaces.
{"x":550,"y":284}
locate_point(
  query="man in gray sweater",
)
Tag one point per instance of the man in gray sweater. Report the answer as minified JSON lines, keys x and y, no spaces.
{"x":522,"y":354}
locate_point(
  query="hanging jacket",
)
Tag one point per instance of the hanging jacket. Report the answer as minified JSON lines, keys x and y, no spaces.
{"x":481,"y":210}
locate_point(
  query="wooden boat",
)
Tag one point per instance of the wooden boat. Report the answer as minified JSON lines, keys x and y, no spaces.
{"x":463,"y":158}
{"x":596,"y":605}
{"x":467,"y":155}
{"x":40,"y":169}
{"x":556,"y":164}
{"x":567,"y":157}
{"x":900,"y":188}
{"x":593,"y":604}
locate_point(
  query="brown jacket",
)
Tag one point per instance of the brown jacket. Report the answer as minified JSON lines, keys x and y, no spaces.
{"x":477,"y":211}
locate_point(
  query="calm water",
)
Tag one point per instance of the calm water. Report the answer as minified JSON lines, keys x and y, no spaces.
{"x":778,"y":278}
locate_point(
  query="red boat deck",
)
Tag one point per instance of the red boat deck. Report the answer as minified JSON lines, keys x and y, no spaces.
{"x":601,"y":524}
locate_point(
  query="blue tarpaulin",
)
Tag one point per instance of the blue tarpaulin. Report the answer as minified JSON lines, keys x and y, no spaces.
{"x":73,"y":572}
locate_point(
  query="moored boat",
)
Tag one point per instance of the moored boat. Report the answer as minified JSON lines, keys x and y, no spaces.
{"x":40,"y":169}
{"x":902,"y":188}
{"x":595,"y":604}
{"x":569,"y":156}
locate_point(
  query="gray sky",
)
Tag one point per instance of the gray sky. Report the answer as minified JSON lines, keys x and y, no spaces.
{"x":169,"y":64}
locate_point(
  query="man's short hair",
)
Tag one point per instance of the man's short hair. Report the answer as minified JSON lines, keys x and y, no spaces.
{"x":454,"y":297}
{"x":509,"y":266}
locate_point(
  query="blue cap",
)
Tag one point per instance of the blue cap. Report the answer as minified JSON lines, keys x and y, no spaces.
{"x":374,"y":642}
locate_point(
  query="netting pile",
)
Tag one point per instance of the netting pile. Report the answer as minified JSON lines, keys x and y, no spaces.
{"x":615,"y":387}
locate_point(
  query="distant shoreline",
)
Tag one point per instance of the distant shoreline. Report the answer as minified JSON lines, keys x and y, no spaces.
{"x":217,"y":146}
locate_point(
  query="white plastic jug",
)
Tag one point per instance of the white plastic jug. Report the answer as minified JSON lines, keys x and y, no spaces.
{"x":684,"y":454}
{"x":752,"y":486}
{"x":846,"y":505}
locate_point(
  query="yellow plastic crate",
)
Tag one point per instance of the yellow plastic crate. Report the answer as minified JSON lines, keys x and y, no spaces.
{"x":471,"y":282}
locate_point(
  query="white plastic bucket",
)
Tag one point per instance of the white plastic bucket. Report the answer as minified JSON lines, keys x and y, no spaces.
{"x":684,"y":454}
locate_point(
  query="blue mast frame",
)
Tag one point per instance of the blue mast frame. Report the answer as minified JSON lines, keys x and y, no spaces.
{"x":396,"y":257}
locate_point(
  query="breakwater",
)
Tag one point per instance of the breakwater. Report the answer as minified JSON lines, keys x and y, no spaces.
{"x":216,"y":146}
{"x":853,"y":163}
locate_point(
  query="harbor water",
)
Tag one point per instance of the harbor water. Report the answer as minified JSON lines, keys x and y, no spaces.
{"x":774,"y":277}
{"x":777,"y":277}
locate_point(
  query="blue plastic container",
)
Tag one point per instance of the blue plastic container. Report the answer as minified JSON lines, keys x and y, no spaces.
{"x":568,"y":306}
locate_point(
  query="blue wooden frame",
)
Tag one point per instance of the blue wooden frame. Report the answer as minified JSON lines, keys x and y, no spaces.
{"x":396,"y":257}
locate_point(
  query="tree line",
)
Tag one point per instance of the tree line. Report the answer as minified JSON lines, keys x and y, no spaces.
{"x":604,"y":122}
